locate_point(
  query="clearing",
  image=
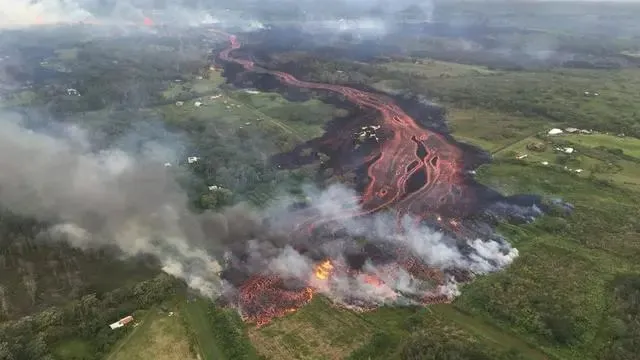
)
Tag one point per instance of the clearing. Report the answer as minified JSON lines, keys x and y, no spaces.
{"x":157,"y":336}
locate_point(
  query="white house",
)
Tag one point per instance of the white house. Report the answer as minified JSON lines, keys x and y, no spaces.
{"x":122,"y":322}
{"x":192,"y":159}
{"x":555,"y":131}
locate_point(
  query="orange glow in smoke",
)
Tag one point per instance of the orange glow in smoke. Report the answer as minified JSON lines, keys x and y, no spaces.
{"x":148,"y":22}
{"x":323,"y":270}
{"x":373,"y":280}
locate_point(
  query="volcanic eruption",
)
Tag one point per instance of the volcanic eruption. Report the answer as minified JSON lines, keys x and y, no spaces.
{"x":415,"y":224}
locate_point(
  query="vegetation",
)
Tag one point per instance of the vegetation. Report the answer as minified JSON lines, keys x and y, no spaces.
{"x":158,"y":335}
{"x":79,"y":329}
{"x":572,"y":293}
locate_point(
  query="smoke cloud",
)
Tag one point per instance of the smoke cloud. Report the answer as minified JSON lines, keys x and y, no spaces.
{"x":106,"y":198}
{"x":340,"y":15}
{"x":132,"y":201}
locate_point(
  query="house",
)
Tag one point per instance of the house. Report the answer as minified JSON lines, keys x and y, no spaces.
{"x":122,"y":322}
{"x":192,"y":159}
{"x":555,"y":131}
{"x":73,"y":92}
{"x":179,"y":103}
{"x":197,"y":104}
{"x":520,"y":157}
{"x":571,"y":130}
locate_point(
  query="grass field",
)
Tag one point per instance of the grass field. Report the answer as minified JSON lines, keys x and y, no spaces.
{"x":317,"y":331}
{"x":429,"y":68}
{"x":157,"y":335}
{"x":491,"y":130}
{"x":591,"y":161}
{"x":73,"y":350}
{"x":195,"y":315}
{"x":629,"y":145}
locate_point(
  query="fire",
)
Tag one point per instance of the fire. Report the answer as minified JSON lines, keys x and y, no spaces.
{"x":323,"y":270}
{"x":265,"y":297}
{"x":373,"y":280}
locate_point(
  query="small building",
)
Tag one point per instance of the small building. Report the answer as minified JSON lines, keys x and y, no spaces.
{"x":179,"y":103}
{"x":545,"y":163}
{"x":214,"y":187}
{"x":523,"y":156}
{"x":73,"y":92}
{"x":568,"y":150}
{"x":122,"y":322}
{"x":197,"y":104}
{"x":555,"y":131}
{"x":192,"y":159}
{"x":167,"y":164}
{"x":571,"y":130}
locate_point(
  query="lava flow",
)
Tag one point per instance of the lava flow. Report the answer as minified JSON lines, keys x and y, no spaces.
{"x":413,"y":173}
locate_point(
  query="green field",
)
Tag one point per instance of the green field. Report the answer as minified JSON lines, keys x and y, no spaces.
{"x":195,"y":315}
{"x":629,"y":145}
{"x":429,"y":68}
{"x":156,"y":335}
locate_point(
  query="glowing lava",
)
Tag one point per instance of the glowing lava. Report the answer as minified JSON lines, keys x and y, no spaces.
{"x":323,"y":270}
{"x":264,"y":297}
{"x":411,"y":152}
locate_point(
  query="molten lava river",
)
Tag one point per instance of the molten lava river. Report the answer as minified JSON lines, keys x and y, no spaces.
{"x":445,"y":197}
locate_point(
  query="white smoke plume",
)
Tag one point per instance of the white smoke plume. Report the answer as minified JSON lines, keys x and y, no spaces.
{"x":435,"y":249}
{"x":131,"y":201}
{"x":106,"y":198}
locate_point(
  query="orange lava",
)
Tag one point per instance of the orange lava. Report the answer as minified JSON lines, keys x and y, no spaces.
{"x":265,"y":297}
{"x":323,"y":270}
{"x":411,"y":149}
{"x":373,"y":280}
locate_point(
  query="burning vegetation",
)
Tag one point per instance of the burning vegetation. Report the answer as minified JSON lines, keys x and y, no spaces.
{"x":416,"y":225}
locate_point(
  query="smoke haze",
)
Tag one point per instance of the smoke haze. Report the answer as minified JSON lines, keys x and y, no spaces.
{"x":131,"y":201}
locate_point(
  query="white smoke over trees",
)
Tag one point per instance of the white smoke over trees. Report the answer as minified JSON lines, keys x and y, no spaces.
{"x":131,"y":201}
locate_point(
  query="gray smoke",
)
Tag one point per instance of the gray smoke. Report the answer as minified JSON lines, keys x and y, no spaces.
{"x":341,"y":15}
{"x":111,"y":197}
{"x":131,"y":201}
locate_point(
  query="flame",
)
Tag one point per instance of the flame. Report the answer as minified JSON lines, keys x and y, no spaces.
{"x":323,"y":270}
